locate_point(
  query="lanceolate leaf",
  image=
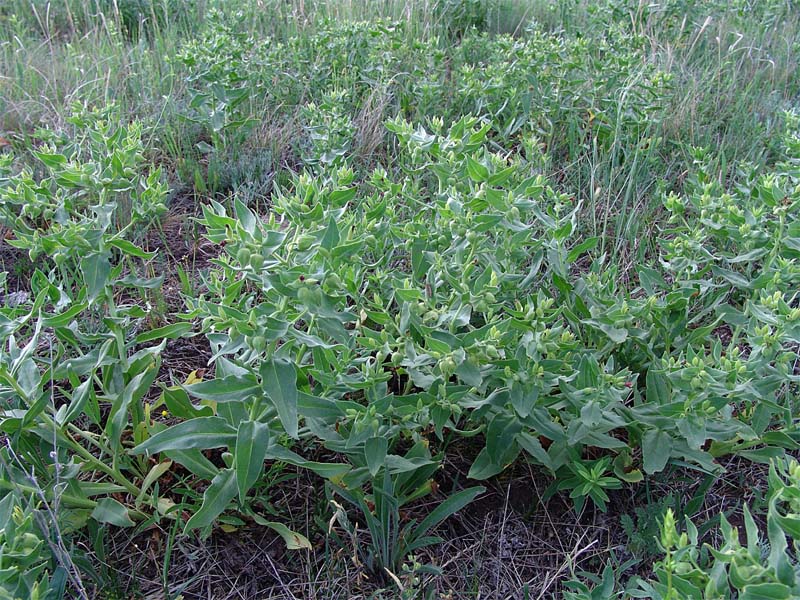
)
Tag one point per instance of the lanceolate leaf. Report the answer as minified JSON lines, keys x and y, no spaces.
{"x":656,"y":448}
{"x":110,"y":511}
{"x":202,"y":433}
{"x":534,"y":447}
{"x":96,"y":268}
{"x":153,"y":476}
{"x":233,"y":388}
{"x":252,"y":441}
{"x":194,"y":460}
{"x":172,"y":331}
{"x":375,"y":453}
{"x":294,"y":540}
{"x":128,"y":398}
{"x":80,"y":396}
{"x":657,"y":388}
{"x":450,"y":506}
{"x":129,"y":248}
{"x":280,"y":383}
{"x":215,"y":500}
{"x":326,"y":470}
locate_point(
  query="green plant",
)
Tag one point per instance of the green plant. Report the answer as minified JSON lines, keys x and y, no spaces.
{"x":329,"y":129}
{"x":26,"y":564}
{"x":565,"y":278}
{"x":484,"y":354}
{"x":462,"y":15}
{"x":73,"y":389}
{"x":589,"y":480}
{"x":643,"y":526}
{"x":94,"y":184}
{"x":220,"y":63}
{"x":239,"y":413}
{"x":602,"y":588}
{"x":761,"y":568}
{"x":392,"y":544}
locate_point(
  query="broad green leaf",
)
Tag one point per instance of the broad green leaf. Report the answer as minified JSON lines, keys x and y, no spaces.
{"x":170,"y":332}
{"x":764,"y":455}
{"x":279,"y":379}
{"x":128,"y":401}
{"x":615,"y":334}
{"x":155,"y":473}
{"x":179,"y":405}
{"x":534,"y":447}
{"x":88,"y":489}
{"x":80,"y":396}
{"x":245,"y":216}
{"x":501,"y":177}
{"x":469,"y":374}
{"x":149,"y":283}
{"x":339,"y":197}
{"x":778,"y":558}
{"x":294,"y":540}
{"x":581,"y":248}
{"x":693,"y":429}
{"x":779,"y":438}
{"x":318,"y":408}
{"x":476,"y":171}
{"x":65,"y":318}
{"x":447,"y":508}
{"x":112,"y":512}
{"x":657,"y":388}
{"x":656,"y":449}
{"x":563,"y":231}
{"x":331,"y":238}
{"x":484,"y":467}
{"x":733,"y":278}
{"x":215,"y":500}
{"x":375,"y":450}
{"x":201,"y":433}
{"x":252,"y":440}
{"x":400,"y":464}
{"x":651,"y":280}
{"x":766,"y":591}
{"x":96,"y":268}
{"x":194,"y":461}
{"x":500,"y":436}
{"x":408,"y":295}
{"x":52,"y":161}
{"x":750,"y":256}
{"x":233,"y":388}
{"x":326,"y":470}
{"x":131,"y":249}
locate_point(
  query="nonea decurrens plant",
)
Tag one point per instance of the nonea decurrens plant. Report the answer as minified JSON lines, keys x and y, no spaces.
{"x":429,"y":299}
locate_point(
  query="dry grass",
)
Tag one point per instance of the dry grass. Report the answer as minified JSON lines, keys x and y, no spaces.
{"x":508,"y":544}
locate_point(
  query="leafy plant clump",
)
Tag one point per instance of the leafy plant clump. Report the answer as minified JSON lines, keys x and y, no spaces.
{"x":438,"y":296}
{"x":383,"y":320}
{"x":759,"y":569}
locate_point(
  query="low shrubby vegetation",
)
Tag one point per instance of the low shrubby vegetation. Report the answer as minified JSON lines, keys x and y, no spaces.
{"x":367,"y":282}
